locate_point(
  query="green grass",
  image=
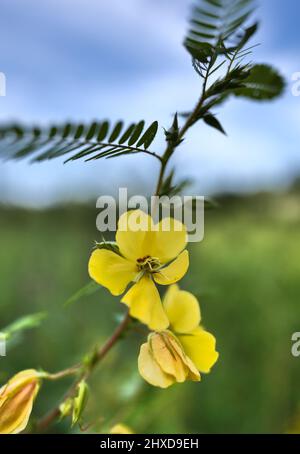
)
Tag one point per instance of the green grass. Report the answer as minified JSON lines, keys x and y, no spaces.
{"x":246,"y":274}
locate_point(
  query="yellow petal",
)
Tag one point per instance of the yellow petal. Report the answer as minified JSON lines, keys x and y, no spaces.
{"x":15,"y":412}
{"x":134,"y":235}
{"x":16,"y":381}
{"x":145,"y":304}
{"x":150,"y":370}
{"x":182,"y":309}
{"x":168,"y":359}
{"x":169,"y":240}
{"x":173,"y":272}
{"x":200,"y":346}
{"x":192,"y":371}
{"x":111,"y":270}
{"x":16,"y":400}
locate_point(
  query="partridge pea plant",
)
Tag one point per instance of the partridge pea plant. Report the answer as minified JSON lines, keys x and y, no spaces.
{"x":140,"y":264}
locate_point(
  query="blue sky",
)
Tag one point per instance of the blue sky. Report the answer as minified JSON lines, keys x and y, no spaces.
{"x":95,"y":59}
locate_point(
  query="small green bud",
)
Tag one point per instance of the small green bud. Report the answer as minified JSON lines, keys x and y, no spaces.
{"x":172,"y":135}
{"x":80,"y":401}
{"x":66,"y":408}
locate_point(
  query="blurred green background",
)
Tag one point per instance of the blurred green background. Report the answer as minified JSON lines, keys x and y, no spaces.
{"x":246,"y":274}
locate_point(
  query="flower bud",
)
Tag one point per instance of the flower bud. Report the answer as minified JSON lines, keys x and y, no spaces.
{"x":162,"y":361}
{"x":79,"y":401}
{"x":66,"y":407}
{"x":16,"y":400}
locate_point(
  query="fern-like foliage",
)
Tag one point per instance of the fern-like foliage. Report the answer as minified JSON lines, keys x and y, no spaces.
{"x":217,"y":27}
{"x":256,"y":83}
{"x":219,"y":30}
{"x":90,"y":142}
{"x":217,"y":41}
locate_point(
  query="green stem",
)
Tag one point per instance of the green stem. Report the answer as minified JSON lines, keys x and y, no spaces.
{"x":63,"y":373}
{"x":189,"y":122}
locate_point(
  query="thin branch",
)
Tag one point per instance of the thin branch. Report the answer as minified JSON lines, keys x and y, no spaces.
{"x":50,"y":417}
{"x":64,"y":373}
{"x":189,"y":122}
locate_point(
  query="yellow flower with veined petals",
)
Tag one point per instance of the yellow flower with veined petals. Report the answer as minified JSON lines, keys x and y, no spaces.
{"x":148,"y":253}
{"x":16,"y":400}
{"x":184,"y":350}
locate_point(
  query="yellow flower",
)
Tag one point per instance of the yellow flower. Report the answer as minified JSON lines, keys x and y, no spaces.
{"x":148,"y":252}
{"x":181,"y":352}
{"x":16,"y":400}
{"x":121,"y":429}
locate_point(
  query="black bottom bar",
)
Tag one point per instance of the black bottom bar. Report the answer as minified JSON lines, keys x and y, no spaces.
{"x":131,"y":443}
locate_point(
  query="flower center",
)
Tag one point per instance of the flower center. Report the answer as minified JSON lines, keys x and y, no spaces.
{"x":148,"y":263}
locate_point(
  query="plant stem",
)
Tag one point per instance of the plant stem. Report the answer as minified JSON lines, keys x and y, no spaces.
{"x":102,"y":352}
{"x":189,"y":122}
{"x":160,"y":180}
{"x":64,"y":373}
{"x":48,"y":419}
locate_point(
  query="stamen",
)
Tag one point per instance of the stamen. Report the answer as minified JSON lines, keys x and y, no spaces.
{"x":148,"y":264}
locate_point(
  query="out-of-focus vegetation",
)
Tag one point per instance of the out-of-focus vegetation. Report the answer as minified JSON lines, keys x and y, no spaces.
{"x":247,"y":276}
